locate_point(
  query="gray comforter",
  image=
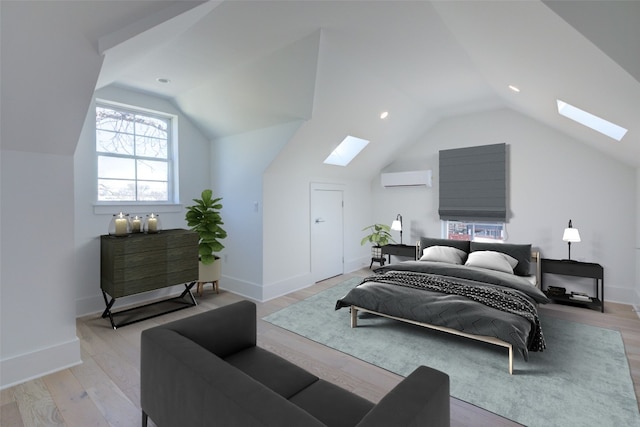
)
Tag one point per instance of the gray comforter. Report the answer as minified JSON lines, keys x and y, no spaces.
{"x":453,"y":311}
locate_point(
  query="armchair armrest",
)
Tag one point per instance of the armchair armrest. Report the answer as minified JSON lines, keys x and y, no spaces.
{"x":223,"y":331}
{"x":421,"y":399}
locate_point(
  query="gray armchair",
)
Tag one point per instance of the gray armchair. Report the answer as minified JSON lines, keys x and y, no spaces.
{"x":207,"y":370}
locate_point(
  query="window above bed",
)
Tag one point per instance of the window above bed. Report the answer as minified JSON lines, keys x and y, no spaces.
{"x":474,"y":231}
{"x":473,"y":183}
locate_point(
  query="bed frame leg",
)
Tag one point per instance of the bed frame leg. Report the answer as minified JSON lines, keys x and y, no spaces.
{"x":510,"y":360}
{"x":354,"y":317}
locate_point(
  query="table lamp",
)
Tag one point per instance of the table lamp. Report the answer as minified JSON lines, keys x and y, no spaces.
{"x":571,"y":235}
{"x":397,"y":225}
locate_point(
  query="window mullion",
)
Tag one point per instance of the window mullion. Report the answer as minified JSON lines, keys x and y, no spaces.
{"x":135,"y":156}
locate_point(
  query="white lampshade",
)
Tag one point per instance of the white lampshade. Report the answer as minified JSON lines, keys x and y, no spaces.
{"x":396,"y":225}
{"x":571,"y":235}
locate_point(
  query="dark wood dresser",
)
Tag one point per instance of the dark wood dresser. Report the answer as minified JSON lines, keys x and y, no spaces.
{"x":145,"y":262}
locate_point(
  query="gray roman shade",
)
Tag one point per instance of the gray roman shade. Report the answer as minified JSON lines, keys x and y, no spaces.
{"x":473,"y":183}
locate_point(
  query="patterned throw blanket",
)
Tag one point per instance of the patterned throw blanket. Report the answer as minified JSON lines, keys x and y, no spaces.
{"x":504,"y":299}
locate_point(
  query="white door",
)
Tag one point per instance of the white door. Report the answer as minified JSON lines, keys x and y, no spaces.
{"x":327,"y":252}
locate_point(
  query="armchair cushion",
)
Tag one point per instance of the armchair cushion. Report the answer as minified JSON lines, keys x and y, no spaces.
{"x":332,"y":405}
{"x":273,"y":371}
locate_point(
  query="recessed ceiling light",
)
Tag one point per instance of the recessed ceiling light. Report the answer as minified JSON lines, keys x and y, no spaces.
{"x":514,"y":88}
{"x":163,"y":80}
{"x":384,"y":114}
{"x":596,"y":123}
{"x":349,"y":148}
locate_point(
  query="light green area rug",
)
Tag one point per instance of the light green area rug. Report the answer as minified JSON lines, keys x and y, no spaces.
{"x":581,"y":379}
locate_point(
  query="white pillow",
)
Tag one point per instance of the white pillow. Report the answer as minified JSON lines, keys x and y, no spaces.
{"x":443,"y":254}
{"x":492,"y":261}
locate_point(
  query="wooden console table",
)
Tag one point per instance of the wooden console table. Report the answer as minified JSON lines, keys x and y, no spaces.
{"x":145,"y":262}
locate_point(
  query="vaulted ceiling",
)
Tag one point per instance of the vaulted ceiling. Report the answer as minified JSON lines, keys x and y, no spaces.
{"x":235,"y":66}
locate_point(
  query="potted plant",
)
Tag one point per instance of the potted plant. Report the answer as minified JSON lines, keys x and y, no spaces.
{"x":204,"y":218}
{"x":379,"y":235}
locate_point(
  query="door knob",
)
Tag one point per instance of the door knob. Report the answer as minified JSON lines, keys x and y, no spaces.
{"x":319,"y":220}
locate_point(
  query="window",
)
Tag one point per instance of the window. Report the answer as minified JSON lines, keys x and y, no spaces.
{"x":473,"y":199}
{"x":592,"y":121}
{"x":473,"y":184}
{"x":134,"y":155}
{"x":346,"y":151}
{"x":476,"y":231}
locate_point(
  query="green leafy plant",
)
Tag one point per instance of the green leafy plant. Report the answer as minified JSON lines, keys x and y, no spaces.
{"x":204,"y":218}
{"x":379,"y":235}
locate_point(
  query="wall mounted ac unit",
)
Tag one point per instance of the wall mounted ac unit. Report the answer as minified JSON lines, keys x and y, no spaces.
{"x":406,"y":179}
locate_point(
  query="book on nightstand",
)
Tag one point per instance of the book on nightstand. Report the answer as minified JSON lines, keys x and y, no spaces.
{"x":580,"y":296}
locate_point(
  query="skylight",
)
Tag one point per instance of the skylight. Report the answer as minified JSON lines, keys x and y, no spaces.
{"x":594,"y":122}
{"x":349,"y":148}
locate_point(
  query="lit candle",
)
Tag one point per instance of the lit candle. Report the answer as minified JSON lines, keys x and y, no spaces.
{"x":121,"y":225}
{"x":152,"y":224}
{"x":135,"y":224}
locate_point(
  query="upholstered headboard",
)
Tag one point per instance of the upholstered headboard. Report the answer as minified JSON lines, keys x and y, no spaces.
{"x":524,"y":253}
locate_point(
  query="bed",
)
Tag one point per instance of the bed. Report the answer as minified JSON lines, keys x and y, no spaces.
{"x":484,"y":291}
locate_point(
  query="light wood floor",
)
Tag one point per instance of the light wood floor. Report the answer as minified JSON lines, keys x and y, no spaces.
{"x":105,"y":389}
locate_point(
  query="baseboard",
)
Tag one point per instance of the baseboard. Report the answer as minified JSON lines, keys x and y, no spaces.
{"x":89,"y":305}
{"x":357,"y":264}
{"x":284,"y":287}
{"x":252,"y":291}
{"x":29,"y":366}
{"x":619,"y":295}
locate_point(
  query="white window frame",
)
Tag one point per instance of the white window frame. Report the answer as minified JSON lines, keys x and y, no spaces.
{"x":172,"y":158}
{"x":474,"y":224}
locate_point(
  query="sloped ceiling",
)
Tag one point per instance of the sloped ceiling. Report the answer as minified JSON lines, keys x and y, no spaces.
{"x":335,"y":65}
{"x":610,"y":25}
{"x":249,"y":64}
{"x":536,"y":50}
{"x":50,"y":61}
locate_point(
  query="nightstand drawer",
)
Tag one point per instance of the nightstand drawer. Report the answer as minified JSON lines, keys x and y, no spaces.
{"x":572,"y":268}
{"x":399,"y":250}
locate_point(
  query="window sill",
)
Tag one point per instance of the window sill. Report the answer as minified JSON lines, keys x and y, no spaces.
{"x":114,"y":208}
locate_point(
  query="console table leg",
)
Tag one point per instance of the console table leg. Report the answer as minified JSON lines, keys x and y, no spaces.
{"x":187,"y":290}
{"x":107,"y":311}
{"x":180,"y":299}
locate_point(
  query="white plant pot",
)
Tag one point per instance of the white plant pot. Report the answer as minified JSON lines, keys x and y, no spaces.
{"x":209,"y":273}
{"x":376,"y":252}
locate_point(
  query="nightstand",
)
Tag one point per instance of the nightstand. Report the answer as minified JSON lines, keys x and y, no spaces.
{"x":575,"y":269}
{"x":399,"y":250}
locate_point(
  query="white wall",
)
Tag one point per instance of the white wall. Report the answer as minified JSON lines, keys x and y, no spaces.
{"x":41,"y":121}
{"x":266,"y":201}
{"x":287,"y":233}
{"x":37,"y":321}
{"x":92,"y":220}
{"x":240,"y":162}
{"x":552,"y":178}
{"x":636,"y":300}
